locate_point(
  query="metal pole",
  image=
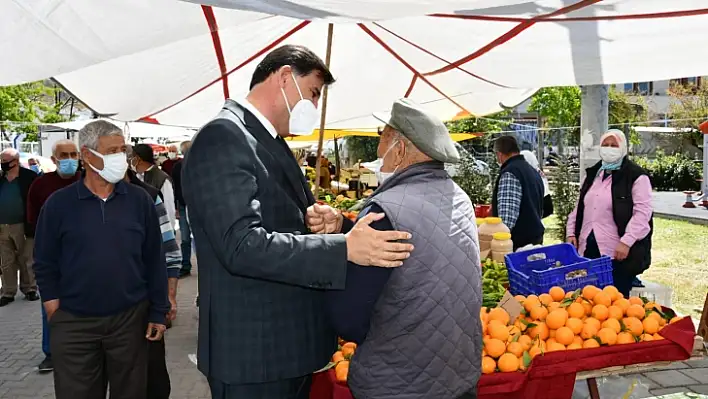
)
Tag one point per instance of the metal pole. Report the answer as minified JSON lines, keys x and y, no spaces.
{"x":323,"y":117}
{"x":594,"y":116}
{"x":539,"y":135}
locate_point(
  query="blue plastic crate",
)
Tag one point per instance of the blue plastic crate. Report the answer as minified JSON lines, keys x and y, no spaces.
{"x":533,"y":271}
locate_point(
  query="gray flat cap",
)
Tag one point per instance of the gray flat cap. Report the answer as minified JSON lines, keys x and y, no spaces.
{"x":428,"y":133}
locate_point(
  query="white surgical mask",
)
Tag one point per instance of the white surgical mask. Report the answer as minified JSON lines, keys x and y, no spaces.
{"x":114,"y":166}
{"x":610,"y":154}
{"x":171,"y":155}
{"x":303,"y":116}
{"x":376,"y":165}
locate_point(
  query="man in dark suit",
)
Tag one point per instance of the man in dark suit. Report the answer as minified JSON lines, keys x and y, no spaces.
{"x":262,"y":326}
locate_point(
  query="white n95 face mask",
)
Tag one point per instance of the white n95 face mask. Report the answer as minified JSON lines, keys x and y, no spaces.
{"x":376,"y":165}
{"x":114,"y":166}
{"x":303,"y":116}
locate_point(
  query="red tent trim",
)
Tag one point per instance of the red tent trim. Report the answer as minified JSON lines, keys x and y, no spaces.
{"x":657,"y":15}
{"x":216,"y":40}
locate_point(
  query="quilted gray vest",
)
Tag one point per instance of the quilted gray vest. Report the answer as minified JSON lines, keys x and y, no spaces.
{"x":425,"y":336}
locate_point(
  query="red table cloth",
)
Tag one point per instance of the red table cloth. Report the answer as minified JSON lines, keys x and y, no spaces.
{"x":552,"y":376}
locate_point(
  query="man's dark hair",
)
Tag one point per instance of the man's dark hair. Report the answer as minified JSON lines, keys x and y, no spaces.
{"x":506,"y":145}
{"x":301,"y":59}
{"x":144,"y":152}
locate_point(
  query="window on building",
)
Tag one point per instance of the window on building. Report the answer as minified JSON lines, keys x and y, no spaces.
{"x":695,"y":81}
{"x":641,"y":88}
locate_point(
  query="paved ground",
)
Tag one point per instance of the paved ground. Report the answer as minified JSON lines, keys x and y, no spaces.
{"x":20,"y":350}
{"x":668,"y":205}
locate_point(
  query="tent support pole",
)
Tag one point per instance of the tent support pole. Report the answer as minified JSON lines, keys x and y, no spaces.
{"x":328,"y":57}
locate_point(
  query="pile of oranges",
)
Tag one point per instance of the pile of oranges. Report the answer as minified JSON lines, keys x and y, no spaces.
{"x":341,"y":358}
{"x":557,"y":321}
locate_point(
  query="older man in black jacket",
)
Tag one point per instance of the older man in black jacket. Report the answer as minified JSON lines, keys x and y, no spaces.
{"x":262,"y":327}
{"x":15,"y":248}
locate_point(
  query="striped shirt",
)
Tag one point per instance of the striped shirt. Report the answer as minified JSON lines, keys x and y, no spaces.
{"x":173,"y":254}
{"x":509,"y":199}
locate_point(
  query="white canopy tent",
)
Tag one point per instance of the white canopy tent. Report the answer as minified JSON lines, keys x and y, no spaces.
{"x":131,"y":129}
{"x":175,"y":61}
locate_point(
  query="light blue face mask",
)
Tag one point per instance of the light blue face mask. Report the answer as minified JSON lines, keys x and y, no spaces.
{"x":35,"y":168}
{"x":68,"y":167}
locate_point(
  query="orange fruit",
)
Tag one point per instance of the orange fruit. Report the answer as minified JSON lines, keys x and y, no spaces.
{"x":557,"y":319}
{"x":589,"y":331}
{"x":589,"y":292}
{"x":634,"y":326}
{"x":557,"y":293}
{"x":520,"y":298}
{"x":600,"y":312}
{"x":541,"y":331}
{"x":652,"y":306}
{"x":552,"y":333}
{"x":348,"y":349}
{"x":591,"y":343}
{"x":531,"y":302}
{"x":553,"y":306}
{"x":575,"y":325}
{"x":525,"y":342}
{"x":612,"y":292}
{"x":576,"y":310}
{"x":622,"y":304}
{"x":636,"y":311}
{"x":601,"y":298}
{"x":545,"y":299}
{"x":500,"y":315}
{"x":538,"y":347}
{"x":555,"y":346}
{"x":625,"y":338}
{"x":565,"y":336}
{"x":578,"y":340}
{"x":658,"y":337}
{"x":675,"y":319}
{"x":341,"y":370}
{"x":615,"y":312}
{"x":646,"y":337}
{"x":539,"y":313}
{"x":508,"y":363}
{"x":338,"y":356}
{"x":574,"y":346}
{"x":587,"y":306}
{"x":607,"y":336}
{"x":635,"y":300}
{"x":593,"y":322}
{"x":488,"y":365}
{"x":495,"y":347}
{"x":499,"y":332}
{"x":568,"y":295}
{"x":515,"y":348}
{"x":612,"y":324}
{"x":651,"y":325}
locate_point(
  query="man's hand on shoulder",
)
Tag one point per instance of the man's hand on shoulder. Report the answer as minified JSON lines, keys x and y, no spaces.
{"x":369,"y":247}
{"x":51,"y":307}
{"x":323,"y":219}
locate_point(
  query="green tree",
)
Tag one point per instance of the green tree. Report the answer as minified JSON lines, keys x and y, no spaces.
{"x":689,"y":108}
{"x":30,"y":103}
{"x":362,"y":147}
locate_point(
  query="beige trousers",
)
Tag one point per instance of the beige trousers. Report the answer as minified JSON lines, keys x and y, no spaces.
{"x":16,"y":255}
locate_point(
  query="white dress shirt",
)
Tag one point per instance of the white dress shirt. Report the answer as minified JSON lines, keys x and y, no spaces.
{"x":261,"y":118}
{"x":168,"y":197}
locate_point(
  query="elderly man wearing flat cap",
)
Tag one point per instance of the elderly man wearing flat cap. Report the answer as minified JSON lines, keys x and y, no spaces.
{"x":417,"y":326}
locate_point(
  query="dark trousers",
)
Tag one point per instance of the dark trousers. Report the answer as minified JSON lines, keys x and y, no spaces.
{"x":158,"y":380}
{"x":185,"y":233}
{"x":294,"y":388}
{"x":45,"y":333}
{"x":90,"y":353}
{"x":621,"y":277}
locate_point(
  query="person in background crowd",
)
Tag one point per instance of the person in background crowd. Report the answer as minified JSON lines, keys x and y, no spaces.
{"x":325,"y":177}
{"x":614,"y":215}
{"x":102,"y":274}
{"x":530,"y":157}
{"x":143,"y":163}
{"x":261,"y":275}
{"x":518,"y":194}
{"x":34,"y":166}
{"x":15,"y":249}
{"x":65,"y":156}
{"x":185,"y":232}
{"x":158,"y":377}
{"x":402,"y":328}
{"x":172,"y":159}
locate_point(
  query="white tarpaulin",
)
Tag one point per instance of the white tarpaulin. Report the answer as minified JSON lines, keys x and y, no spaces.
{"x":130,"y":59}
{"x":131,"y":129}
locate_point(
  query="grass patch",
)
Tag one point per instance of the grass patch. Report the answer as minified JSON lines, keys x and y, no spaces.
{"x":679,"y":261}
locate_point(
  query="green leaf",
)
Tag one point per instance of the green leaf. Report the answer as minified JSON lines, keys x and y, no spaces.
{"x":566,"y":302}
{"x":669,"y":314}
{"x":531,"y":325}
{"x":623,"y":327}
{"x":644,"y":299}
{"x":599,"y":341}
{"x":516,"y":337}
{"x":327,"y":367}
{"x":527,"y":359}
